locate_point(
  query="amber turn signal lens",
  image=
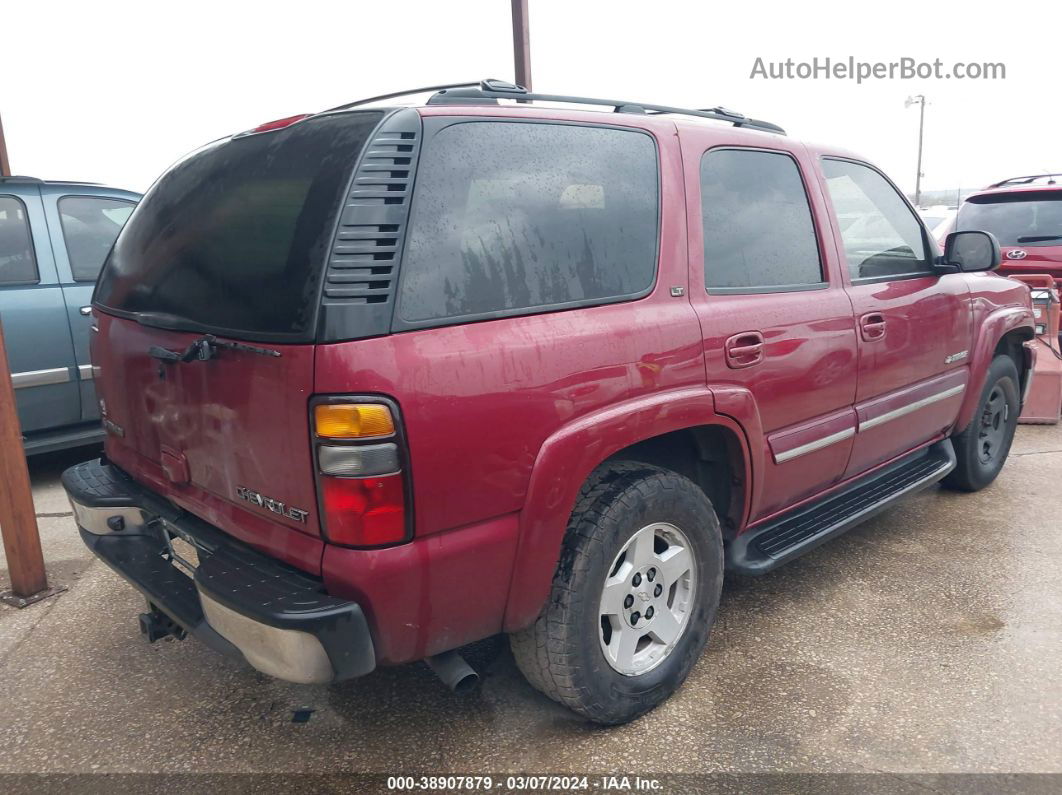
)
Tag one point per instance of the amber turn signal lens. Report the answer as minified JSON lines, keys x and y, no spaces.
{"x":353,"y":420}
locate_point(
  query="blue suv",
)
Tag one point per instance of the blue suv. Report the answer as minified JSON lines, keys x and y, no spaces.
{"x":54,"y":237}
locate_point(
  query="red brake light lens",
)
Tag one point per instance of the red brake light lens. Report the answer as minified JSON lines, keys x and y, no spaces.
{"x":279,"y":124}
{"x":364,"y":512}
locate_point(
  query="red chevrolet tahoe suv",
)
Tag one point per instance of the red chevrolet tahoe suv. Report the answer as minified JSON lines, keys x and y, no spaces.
{"x":383,"y":381}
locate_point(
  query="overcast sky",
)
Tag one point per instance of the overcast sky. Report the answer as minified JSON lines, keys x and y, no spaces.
{"x":115,"y":91}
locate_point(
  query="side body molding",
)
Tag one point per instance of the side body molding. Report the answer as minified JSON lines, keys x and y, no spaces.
{"x":564,"y":462}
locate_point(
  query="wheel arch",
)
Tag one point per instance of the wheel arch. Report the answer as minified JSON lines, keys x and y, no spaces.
{"x":1003,"y":332}
{"x":678,"y":430}
{"x":1012,"y":344}
{"x":712,"y":456}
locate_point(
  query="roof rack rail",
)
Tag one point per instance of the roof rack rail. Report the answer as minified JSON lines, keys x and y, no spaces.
{"x":490,"y":91}
{"x":1025,"y":180}
{"x":406,"y":93}
{"x":20,"y":178}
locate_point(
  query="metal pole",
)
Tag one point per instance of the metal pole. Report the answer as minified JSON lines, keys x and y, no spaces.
{"x":18,"y":519}
{"x":5,"y":164}
{"x":921,"y":128}
{"x":521,"y":44}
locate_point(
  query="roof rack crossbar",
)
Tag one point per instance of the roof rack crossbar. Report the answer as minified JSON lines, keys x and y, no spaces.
{"x":491,"y":90}
{"x":1019,"y":180}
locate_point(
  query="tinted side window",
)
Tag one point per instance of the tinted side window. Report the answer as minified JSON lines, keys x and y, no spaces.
{"x":90,"y":225}
{"x":17,"y":261}
{"x":758,"y":230}
{"x":509,"y":216}
{"x":882,"y":236}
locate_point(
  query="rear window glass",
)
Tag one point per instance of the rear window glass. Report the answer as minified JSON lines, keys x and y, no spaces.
{"x":234,"y":237}
{"x":17,"y":263}
{"x":512,"y":216}
{"x":90,"y":225}
{"x":1026,"y":218}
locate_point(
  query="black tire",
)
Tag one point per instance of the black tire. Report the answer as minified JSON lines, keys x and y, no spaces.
{"x":982,"y":447}
{"x":561,"y":654}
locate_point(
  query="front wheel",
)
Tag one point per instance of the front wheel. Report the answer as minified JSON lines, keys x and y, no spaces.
{"x":633,"y":598}
{"x":982,"y":447}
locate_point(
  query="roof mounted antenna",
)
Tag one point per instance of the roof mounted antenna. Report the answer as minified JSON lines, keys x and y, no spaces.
{"x":491,"y":90}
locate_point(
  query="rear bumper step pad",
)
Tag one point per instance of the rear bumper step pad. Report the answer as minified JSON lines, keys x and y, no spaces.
{"x":238,"y":601}
{"x":764,"y":548}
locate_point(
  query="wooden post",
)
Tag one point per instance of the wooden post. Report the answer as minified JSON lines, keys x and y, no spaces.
{"x":5,"y":164}
{"x":521,"y":44}
{"x":18,"y":518}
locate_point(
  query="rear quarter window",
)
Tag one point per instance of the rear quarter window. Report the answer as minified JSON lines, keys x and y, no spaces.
{"x":514,"y":217}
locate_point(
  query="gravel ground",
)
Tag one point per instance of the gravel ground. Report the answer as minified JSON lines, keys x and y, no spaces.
{"x":928,"y":640}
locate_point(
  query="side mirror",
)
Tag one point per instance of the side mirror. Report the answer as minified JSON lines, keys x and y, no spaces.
{"x":971,"y":251}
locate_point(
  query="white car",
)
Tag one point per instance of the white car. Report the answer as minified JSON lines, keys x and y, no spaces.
{"x":939,"y":219}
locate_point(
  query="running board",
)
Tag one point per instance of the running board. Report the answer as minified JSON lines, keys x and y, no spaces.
{"x":767,"y":547}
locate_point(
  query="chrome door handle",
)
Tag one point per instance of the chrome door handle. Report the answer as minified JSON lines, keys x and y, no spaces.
{"x":85,"y":311}
{"x":872,"y":326}
{"x":744,"y":350}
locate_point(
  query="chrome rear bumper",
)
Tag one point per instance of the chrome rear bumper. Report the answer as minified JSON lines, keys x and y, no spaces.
{"x":236,"y":600}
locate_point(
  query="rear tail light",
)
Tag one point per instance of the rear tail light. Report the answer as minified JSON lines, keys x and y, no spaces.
{"x":365,"y":512}
{"x":362,"y":473}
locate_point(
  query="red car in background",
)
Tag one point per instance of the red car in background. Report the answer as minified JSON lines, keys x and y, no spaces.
{"x":1025,"y":215}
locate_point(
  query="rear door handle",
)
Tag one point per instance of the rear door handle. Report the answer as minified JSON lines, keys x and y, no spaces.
{"x":872,"y":326}
{"x":744,"y":350}
{"x":85,"y":311}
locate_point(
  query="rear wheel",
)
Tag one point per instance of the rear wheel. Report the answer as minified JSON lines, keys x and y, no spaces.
{"x":983,"y":446}
{"x":633,"y":597}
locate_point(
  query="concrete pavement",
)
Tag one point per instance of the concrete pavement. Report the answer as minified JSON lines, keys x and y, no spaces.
{"x":927,"y":640}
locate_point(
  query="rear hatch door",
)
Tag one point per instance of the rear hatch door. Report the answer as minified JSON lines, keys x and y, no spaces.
{"x":206,"y":312}
{"x":1027,"y":223}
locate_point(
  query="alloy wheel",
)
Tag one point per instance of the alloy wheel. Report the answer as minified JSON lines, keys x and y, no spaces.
{"x":647,"y":599}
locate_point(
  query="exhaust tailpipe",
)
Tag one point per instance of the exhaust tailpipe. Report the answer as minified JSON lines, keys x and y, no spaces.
{"x":454,"y":671}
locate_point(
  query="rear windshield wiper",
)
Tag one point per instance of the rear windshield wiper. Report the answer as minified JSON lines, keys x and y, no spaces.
{"x":1038,"y":238}
{"x":204,"y":349}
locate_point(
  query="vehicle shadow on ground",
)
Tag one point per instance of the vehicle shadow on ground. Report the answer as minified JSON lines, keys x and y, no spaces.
{"x":411,"y":693}
{"x":854,"y":575}
{"x":47,"y":468}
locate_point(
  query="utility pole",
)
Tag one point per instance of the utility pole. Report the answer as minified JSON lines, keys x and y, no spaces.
{"x":18,"y":517}
{"x":521,"y":44}
{"x":5,"y":164}
{"x":920,"y":100}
